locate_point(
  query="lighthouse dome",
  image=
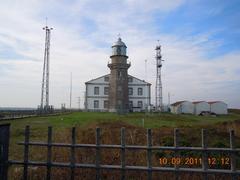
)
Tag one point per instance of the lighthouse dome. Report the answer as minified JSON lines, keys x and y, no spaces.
{"x":119,"y":48}
{"x":119,"y":43}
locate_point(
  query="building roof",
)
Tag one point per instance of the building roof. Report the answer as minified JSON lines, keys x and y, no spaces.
{"x":90,"y":81}
{"x":177,"y":103}
{"x":139,"y":79}
{"x":119,"y":43}
{"x":196,"y":102}
{"x":96,"y":78}
{"x":212,"y":102}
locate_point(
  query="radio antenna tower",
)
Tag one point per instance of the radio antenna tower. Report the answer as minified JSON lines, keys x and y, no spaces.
{"x":44,"y":107}
{"x":158,"y":93}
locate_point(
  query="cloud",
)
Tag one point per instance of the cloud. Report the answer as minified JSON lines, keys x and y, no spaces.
{"x":188,"y":74}
{"x":153,"y":5}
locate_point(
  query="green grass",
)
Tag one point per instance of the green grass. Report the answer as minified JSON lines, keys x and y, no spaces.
{"x":85,"y":119}
{"x":82,"y":119}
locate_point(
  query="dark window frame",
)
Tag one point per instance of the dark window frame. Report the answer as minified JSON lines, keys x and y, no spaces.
{"x":140,"y":91}
{"x":130,"y":104}
{"x":96,"y":104}
{"x":106,"y":78}
{"x":106,"y":90}
{"x":130,"y":91}
{"x":96,"y":90}
{"x":130,"y":79}
{"x":140,"y":104}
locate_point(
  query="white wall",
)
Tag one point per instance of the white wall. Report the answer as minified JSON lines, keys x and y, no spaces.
{"x":188,"y":107}
{"x":185,"y":107}
{"x":201,"y":106}
{"x":145,"y":97}
{"x":219,"y":108}
{"x":90,"y":103}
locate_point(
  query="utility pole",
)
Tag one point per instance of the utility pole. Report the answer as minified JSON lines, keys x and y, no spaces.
{"x":85,"y":99}
{"x":79,"y":100}
{"x":168,"y":99}
{"x":146,"y":100}
{"x":70,"y":103}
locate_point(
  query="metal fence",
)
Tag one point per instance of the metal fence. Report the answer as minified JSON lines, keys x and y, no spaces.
{"x":123,"y":167}
{"x":16,"y":114}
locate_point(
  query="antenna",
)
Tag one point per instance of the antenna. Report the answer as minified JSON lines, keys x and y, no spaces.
{"x":158,"y":90}
{"x":119,"y":35}
{"x":79,"y":101}
{"x":70,"y":106}
{"x":145,"y":70}
{"x":44,"y":107}
{"x":146,"y":101}
{"x":168,"y":99}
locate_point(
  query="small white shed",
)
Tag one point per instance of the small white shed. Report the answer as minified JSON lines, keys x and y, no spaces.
{"x":182,"y":107}
{"x":200,"y":106}
{"x":218,"y":107}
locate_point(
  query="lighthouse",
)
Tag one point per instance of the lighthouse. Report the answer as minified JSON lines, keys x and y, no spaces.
{"x":117,"y":91}
{"x":118,"y":80}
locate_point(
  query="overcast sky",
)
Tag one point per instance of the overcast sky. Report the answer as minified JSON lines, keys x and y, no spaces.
{"x":199,"y":38}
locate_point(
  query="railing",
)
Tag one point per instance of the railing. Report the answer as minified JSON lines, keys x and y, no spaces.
{"x":16,"y":114}
{"x":21,"y":114}
{"x":123,"y":167}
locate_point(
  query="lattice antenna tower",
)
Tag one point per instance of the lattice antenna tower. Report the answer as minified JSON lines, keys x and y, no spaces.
{"x":45,"y":79}
{"x":158,"y":88}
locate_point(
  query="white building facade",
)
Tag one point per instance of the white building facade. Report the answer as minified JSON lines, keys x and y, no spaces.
{"x":97,"y":92}
{"x":182,"y":107}
{"x":218,"y":107}
{"x":201,"y":106}
{"x":186,"y":107}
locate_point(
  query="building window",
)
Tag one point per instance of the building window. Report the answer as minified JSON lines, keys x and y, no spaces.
{"x":106,"y":78}
{"x":130,"y":104}
{"x":105,"y":105}
{"x":130,"y":91}
{"x":96,"y":104}
{"x":130,"y":79}
{"x":96,"y":90}
{"x":106,"y":90}
{"x":140,"y":104}
{"x":118,"y":51}
{"x":140,"y":91}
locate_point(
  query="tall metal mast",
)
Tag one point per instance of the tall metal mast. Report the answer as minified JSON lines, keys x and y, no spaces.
{"x":158,"y":90}
{"x":70,"y":98}
{"x":45,"y":79}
